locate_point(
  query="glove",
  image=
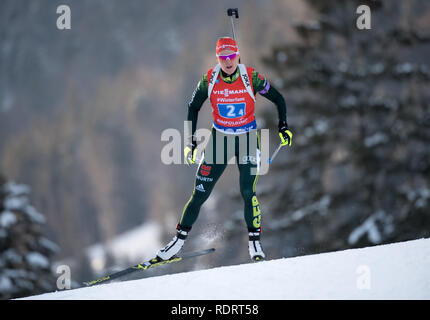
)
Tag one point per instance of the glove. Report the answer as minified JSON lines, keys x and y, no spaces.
{"x":285,"y":134}
{"x":190,"y":152}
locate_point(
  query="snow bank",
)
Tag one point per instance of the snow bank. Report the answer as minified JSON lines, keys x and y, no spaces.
{"x":394,"y":271}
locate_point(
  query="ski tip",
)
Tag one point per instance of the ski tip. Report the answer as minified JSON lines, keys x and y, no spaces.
{"x":87,"y":284}
{"x":208,"y":250}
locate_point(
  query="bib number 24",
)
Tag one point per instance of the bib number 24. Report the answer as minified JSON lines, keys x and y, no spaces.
{"x":232,"y":110}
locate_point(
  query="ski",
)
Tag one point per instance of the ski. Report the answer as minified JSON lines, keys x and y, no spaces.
{"x":147,"y":265}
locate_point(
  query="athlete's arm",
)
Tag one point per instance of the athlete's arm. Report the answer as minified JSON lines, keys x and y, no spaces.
{"x":263,"y":87}
{"x":199,"y":96}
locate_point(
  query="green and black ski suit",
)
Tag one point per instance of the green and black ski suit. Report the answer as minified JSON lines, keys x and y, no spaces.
{"x":247,"y":158}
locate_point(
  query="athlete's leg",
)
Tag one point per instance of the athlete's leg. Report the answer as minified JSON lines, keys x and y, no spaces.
{"x":206,"y":177}
{"x":248,"y":171}
{"x":208,"y":173}
{"x":248,"y":183}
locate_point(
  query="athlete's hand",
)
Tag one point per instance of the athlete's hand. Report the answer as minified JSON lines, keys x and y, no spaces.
{"x":190,"y":153}
{"x":285,"y":134}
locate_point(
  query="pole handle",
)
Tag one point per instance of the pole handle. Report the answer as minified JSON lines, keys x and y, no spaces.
{"x":233,"y":11}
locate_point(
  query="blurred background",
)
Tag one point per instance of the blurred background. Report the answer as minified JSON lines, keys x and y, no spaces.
{"x":82,"y":112}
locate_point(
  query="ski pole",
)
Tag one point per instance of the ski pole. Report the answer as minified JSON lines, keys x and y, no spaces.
{"x":230,"y":13}
{"x":270,"y":160}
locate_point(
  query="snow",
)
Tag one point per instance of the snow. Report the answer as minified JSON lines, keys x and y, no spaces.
{"x":370,"y":227}
{"x":420,"y":197}
{"x":12,"y":256}
{"x":376,"y":139}
{"x":5,"y":284}
{"x":37,"y":260}
{"x":7,"y":218}
{"x":49,"y":245}
{"x":17,"y":199}
{"x":15,"y":202}
{"x":394,"y":271}
{"x":16,"y":189}
{"x":34,"y":215}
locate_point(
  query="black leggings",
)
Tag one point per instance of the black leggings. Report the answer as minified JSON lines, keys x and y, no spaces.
{"x":245,"y":149}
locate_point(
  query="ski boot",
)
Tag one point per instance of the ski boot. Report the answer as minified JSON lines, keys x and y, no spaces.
{"x":174,"y":246}
{"x":255,"y":249}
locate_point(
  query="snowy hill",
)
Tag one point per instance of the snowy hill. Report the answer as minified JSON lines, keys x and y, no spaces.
{"x":394,"y":271}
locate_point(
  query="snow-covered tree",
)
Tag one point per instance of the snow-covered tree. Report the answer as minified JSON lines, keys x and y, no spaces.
{"x":358,"y":104}
{"x":25,"y":253}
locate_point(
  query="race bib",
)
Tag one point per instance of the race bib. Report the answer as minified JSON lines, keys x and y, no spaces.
{"x":231,"y":110}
